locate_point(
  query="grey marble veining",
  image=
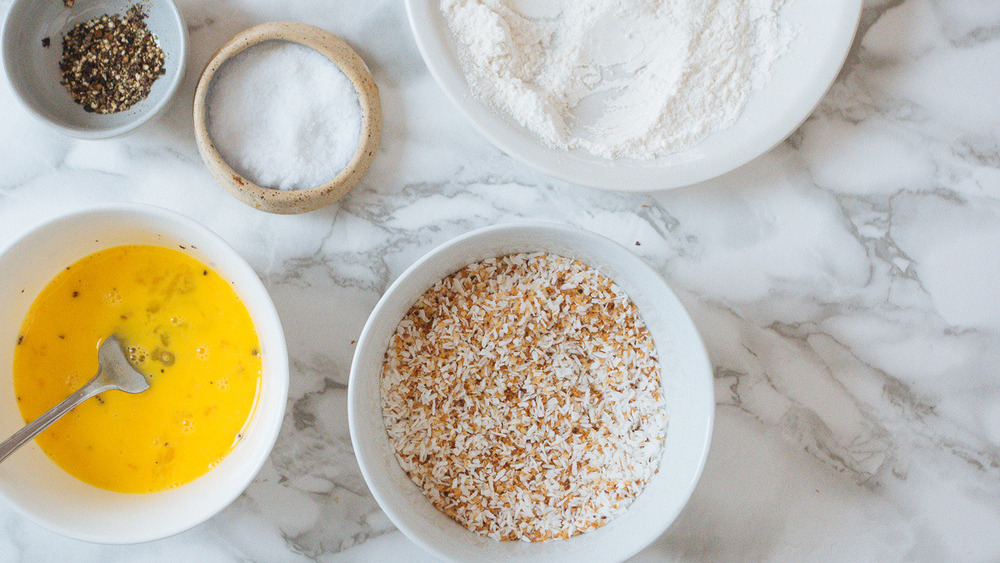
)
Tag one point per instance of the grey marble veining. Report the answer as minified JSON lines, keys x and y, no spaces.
{"x":845,"y":285}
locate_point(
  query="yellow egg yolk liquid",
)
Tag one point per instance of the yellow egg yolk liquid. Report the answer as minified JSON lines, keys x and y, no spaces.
{"x":183,"y":326}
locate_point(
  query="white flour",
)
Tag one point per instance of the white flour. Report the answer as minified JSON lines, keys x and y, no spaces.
{"x":619,"y":78}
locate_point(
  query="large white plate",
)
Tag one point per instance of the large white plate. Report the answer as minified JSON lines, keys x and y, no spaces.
{"x":824,"y":30}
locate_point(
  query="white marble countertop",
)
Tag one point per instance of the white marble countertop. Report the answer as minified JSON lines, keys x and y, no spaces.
{"x":845,"y":284}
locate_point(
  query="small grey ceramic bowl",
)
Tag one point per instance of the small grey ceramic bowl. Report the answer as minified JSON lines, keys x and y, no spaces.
{"x":33,"y":68}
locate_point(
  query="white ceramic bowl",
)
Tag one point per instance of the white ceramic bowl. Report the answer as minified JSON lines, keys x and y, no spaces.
{"x":824,"y":32}
{"x":31,"y":481}
{"x":687,"y":386}
{"x":33,"y":69}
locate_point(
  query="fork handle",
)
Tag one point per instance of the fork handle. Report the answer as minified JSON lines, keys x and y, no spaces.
{"x":33,"y":428}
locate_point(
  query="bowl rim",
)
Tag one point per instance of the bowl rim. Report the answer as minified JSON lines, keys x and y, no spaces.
{"x":7,"y":48}
{"x":338,"y":52}
{"x":700,"y":357}
{"x":280,"y":379}
{"x":688,"y":167}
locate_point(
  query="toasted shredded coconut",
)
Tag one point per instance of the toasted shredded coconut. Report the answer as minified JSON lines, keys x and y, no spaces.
{"x":522,"y":395}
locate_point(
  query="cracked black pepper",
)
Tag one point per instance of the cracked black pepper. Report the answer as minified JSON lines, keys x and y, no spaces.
{"x":110,"y":63}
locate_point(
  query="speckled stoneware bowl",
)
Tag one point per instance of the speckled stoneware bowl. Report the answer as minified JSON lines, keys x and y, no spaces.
{"x":33,"y":68}
{"x":342,"y":55}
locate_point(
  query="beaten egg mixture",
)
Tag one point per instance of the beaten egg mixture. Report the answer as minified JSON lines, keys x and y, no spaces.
{"x":183,"y":326}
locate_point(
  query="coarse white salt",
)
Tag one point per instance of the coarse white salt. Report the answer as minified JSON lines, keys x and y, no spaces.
{"x":283,"y":116}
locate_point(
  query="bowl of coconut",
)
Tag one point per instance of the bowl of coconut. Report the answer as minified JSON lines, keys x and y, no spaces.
{"x":531,"y":392}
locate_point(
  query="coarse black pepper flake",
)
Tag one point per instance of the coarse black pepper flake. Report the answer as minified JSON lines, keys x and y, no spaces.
{"x":110,"y":63}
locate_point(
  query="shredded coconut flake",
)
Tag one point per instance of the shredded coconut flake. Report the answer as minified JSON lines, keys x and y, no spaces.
{"x":522,"y":395}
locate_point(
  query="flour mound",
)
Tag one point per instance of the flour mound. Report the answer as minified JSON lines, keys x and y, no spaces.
{"x":618,"y":78}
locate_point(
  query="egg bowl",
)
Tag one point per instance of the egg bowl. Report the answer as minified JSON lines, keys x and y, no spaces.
{"x":686,"y":382}
{"x":43,"y":492}
{"x":32,"y":49}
